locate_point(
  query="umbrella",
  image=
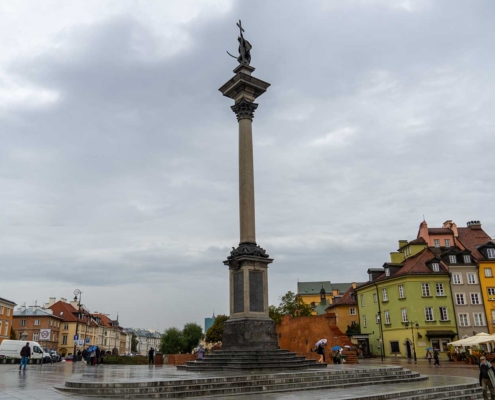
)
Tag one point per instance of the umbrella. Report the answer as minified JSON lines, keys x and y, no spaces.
{"x":429,"y":348}
{"x":321,"y":341}
{"x":92,"y":348}
{"x":334,"y":348}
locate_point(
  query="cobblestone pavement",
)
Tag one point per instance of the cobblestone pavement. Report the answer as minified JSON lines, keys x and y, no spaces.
{"x":38,"y":382}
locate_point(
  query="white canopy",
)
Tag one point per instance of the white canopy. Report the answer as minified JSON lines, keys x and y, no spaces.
{"x":474,"y":340}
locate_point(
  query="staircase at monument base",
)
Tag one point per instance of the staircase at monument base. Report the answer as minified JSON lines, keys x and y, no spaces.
{"x":251,"y":361}
{"x":249,"y":384}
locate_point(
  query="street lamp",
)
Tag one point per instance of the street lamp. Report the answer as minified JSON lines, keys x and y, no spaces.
{"x":413,"y":325}
{"x":77,"y":292}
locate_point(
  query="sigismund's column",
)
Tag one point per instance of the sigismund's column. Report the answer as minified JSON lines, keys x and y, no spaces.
{"x":249,"y":327}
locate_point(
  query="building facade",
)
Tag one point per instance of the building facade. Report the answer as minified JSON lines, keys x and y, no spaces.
{"x":6,"y":317}
{"x":38,"y":324}
{"x":319,"y":295}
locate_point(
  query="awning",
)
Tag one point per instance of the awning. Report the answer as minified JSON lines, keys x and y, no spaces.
{"x":361,"y":336}
{"x":440,"y":334}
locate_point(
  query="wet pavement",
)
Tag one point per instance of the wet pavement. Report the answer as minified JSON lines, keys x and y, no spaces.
{"x":39,"y":382}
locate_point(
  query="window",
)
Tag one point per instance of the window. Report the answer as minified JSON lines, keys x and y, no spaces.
{"x":440,"y":291}
{"x":491,"y":253}
{"x":352,"y":311}
{"x":463,"y":320}
{"x":1,"y":310}
{"x":453,"y":259}
{"x":36,"y":322}
{"x":387,"y":271}
{"x":377,"y":318}
{"x":401,"y":292}
{"x":444,"y":315}
{"x":6,"y":333}
{"x":475,"y":298}
{"x":387,"y":318}
{"x":394,"y":347}
{"x":457,"y":279}
{"x":447,"y":242}
{"x":23,"y":322}
{"x":362,"y":300}
{"x":467,"y":259}
{"x":471,"y":279}
{"x":8,"y":311}
{"x":384,"y":295}
{"x":374,"y":297}
{"x":478,"y":319}
{"x":429,"y":314}
{"x":364,"y":321}
{"x":488,"y":272}
{"x":435,"y":267}
{"x":1,"y":326}
{"x":36,"y":336}
{"x":459,"y":299}
{"x":64,"y":339}
{"x":437,"y":242}
{"x":425,"y":289}
{"x":491,"y":293}
{"x":66,"y":326}
{"x":404,"y":314}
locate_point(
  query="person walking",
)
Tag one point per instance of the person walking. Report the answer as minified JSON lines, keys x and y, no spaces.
{"x":97,"y":354}
{"x":151,"y":356}
{"x":487,"y":378}
{"x":428,"y":356}
{"x":321,"y":351}
{"x":437,"y":360}
{"x":25,"y":354}
{"x":84,"y":356}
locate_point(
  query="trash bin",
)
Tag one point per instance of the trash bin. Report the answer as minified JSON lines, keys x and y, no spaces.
{"x":159,"y":359}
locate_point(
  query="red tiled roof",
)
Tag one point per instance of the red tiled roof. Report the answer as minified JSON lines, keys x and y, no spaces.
{"x":440,"y":231}
{"x":471,"y":238}
{"x":69,"y":313}
{"x":346,"y":299}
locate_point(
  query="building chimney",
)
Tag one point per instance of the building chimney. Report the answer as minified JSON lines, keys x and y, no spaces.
{"x":354,"y":285}
{"x":423,"y":231}
{"x":64,"y":300}
{"x":452,"y":226}
{"x":402,"y":243}
{"x":474,"y":225}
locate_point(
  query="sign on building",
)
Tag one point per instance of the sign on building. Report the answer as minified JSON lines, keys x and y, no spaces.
{"x":45,"y":334}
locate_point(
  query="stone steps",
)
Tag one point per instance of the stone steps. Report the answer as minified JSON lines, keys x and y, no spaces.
{"x":247,"y":384}
{"x":268,"y":360}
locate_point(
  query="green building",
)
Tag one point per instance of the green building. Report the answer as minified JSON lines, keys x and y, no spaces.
{"x":406,"y":306}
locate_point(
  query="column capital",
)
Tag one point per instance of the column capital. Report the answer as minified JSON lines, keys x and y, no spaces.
{"x":244,"y":109}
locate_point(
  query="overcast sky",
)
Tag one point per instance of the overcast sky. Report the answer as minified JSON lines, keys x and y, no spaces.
{"x":118,"y":154}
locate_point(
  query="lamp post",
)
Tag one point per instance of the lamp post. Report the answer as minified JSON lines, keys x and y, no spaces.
{"x":77,"y":292}
{"x":413,"y":325}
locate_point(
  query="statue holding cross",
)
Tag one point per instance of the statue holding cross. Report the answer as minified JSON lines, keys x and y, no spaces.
{"x":244,"y":48}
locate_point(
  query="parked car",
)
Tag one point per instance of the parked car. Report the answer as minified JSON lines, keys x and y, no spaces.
{"x":69,"y":358}
{"x":55,"y":356}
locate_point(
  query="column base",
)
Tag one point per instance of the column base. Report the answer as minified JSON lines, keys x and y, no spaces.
{"x":249,"y":335}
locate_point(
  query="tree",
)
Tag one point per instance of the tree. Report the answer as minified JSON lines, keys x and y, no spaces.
{"x":215,"y":332}
{"x":192,"y":333}
{"x":290,"y":304}
{"x":171,"y":342}
{"x":13,"y":336}
{"x":134,"y":343}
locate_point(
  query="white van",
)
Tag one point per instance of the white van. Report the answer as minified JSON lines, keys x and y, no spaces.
{"x":12,"y":348}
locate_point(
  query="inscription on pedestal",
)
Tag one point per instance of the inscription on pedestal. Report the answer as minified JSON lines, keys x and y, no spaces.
{"x":256,"y":291}
{"x":239,"y":292}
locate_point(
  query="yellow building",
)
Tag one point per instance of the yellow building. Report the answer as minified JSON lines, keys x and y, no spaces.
{"x":486,"y":263}
{"x":319,"y":295}
{"x":346,"y":310}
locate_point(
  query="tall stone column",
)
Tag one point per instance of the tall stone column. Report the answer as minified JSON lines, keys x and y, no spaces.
{"x":249,"y":327}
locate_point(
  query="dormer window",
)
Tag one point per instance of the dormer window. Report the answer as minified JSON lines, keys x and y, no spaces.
{"x":453,"y":259}
{"x":491,"y":253}
{"x":467,"y":259}
{"x":435,"y":267}
{"x":387,"y":271}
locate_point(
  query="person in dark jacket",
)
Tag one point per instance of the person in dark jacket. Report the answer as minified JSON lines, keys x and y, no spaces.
{"x":85,"y":355}
{"x":25,"y":354}
{"x":151,"y":355}
{"x":97,"y":352}
{"x":437,"y":360}
{"x":486,"y":369}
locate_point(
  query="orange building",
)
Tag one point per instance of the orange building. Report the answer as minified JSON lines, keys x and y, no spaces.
{"x":39,"y":325}
{"x":6,"y":316}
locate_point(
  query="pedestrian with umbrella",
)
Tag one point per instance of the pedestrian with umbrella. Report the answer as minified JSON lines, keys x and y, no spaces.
{"x":320,"y":349}
{"x":428,"y":354}
{"x":336,"y":355}
{"x":92,"y":354}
